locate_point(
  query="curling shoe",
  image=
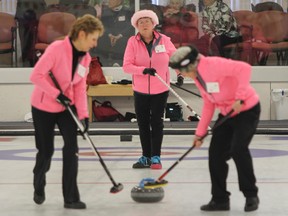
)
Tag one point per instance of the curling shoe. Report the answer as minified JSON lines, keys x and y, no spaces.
{"x":156,"y":163}
{"x":39,"y":198}
{"x":143,"y":162}
{"x":75,"y":205}
{"x":251,"y":204}
{"x":213,"y":206}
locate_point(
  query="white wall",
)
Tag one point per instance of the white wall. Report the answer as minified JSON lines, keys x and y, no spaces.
{"x":15,"y":91}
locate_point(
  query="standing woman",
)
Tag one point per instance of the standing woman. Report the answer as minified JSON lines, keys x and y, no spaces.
{"x":68,"y":60}
{"x":147,"y":53}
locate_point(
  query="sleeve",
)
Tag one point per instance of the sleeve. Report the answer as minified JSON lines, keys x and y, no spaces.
{"x":40,"y":74}
{"x":170,"y":47}
{"x":243,"y":77}
{"x":238,"y":69}
{"x":170,"y":50}
{"x":205,"y":24}
{"x":129,"y":59}
{"x":206,"y":117}
{"x":228,"y":18}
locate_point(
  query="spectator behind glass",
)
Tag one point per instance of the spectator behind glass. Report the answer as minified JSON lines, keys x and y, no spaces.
{"x":97,"y":5}
{"x":27,"y":15}
{"x":116,"y":20}
{"x":177,"y":23}
{"x":219,"y":27}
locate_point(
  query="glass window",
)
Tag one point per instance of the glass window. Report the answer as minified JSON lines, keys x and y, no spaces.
{"x":254,"y":31}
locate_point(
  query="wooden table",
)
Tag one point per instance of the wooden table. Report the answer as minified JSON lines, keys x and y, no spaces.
{"x":107,"y":90}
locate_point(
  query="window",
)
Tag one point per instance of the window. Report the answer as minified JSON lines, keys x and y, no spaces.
{"x":183,"y":28}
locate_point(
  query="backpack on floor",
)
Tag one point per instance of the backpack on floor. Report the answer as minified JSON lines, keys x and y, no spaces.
{"x":174,"y":112}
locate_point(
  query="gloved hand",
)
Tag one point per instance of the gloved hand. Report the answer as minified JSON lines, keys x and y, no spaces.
{"x":63,"y":99}
{"x":85,"y":123}
{"x":150,"y":71}
{"x":180,"y":80}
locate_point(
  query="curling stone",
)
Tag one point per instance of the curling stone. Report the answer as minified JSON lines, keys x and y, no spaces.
{"x":147,"y":195}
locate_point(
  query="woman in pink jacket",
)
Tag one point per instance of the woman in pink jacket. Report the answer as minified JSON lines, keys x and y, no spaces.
{"x":225,"y":85}
{"x":147,"y":53}
{"x":68,"y":60}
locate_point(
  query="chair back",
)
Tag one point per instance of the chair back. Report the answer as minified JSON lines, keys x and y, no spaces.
{"x":7,"y":26}
{"x":243,"y":17}
{"x":267,"y":6}
{"x":53,"y":26}
{"x":270,"y":26}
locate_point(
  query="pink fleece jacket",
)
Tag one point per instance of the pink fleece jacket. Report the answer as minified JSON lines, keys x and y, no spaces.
{"x":58,"y":59}
{"x":233,"y":78}
{"x":136,"y":59}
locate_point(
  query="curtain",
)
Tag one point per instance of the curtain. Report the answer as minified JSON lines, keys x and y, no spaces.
{"x":8,"y":6}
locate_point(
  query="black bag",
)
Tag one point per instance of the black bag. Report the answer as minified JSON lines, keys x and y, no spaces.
{"x":174,"y":112}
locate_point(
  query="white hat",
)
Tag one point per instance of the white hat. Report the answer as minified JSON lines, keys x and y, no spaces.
{"x":144,"y":13}
{"x":183,"y":57}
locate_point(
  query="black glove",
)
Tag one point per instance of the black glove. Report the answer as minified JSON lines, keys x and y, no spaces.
{"x":85,"y":123}
{"x":180,"y":80}
{"x":63,"y":99}
{"x":150,"y":71}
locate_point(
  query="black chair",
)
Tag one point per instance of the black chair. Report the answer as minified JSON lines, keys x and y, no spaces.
{"x":266,"y":6}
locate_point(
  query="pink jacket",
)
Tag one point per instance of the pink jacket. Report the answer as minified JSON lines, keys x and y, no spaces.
{"x":58,"y":59}
{"x":233,"y":78}
{"x":136,"y":59}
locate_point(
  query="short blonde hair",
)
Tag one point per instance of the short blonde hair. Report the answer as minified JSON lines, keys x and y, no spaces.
{"x":88,"y":24}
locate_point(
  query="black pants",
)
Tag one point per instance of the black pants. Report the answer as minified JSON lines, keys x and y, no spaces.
{"x":44,"y":124}
{"x":220,"y":41}
{"x":150,"y":111}
{"x":231,"y":140}
{"x":217,"y":45}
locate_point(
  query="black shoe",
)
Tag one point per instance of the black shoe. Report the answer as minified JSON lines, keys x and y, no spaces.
{"x":39,"y":198}
{"x":251,"y":204}
{"x":213,"y":206}
{"x":143,"y":162}
{"x":75,"y":205}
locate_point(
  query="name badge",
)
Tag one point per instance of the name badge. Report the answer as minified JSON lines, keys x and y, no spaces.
{"x":160,"y":49}
{"x":81,"y":70}
{"x":121,"y":18}
{"x":212,"y":87}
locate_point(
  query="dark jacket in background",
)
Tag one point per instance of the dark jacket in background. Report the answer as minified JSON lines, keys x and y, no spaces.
{"x":27,"y":15}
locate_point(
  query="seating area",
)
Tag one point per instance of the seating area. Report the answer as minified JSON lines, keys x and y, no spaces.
{"x":268,"y":34}
{"x":8,"y":37}
{"x":264,"y":29}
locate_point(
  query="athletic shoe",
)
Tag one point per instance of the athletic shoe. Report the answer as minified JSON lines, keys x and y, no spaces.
{"x":156,"y":163}
{"x":75,"y":205}
{"x":251,"y":204}
{"x":143,"y":162}
{"x":213,"y":206}
{"x":39,"y":198}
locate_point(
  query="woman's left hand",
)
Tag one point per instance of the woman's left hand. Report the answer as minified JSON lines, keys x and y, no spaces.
{"x":237,"y":106}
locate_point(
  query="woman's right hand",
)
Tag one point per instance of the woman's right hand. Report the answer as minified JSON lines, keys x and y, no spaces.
{"x":197,"y":141}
